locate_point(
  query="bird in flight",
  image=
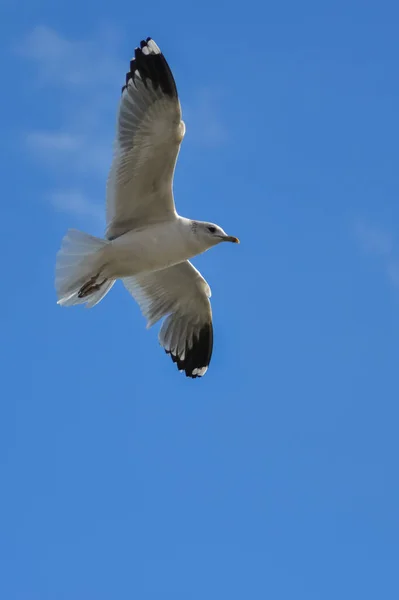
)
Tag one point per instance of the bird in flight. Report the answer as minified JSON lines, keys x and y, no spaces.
{"x":147,"y":244}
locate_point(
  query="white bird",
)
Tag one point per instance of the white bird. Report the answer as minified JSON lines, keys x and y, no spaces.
{"x":147,"y":244}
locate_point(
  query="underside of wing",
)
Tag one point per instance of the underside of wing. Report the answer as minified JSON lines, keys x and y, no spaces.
{"x":149,"y":133}
{"x":180,"y":294}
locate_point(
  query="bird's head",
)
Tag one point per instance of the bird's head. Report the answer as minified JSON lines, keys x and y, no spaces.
{"x":210,"y":234}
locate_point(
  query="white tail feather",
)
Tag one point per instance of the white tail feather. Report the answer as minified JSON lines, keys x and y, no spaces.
{"x":77,"y":261}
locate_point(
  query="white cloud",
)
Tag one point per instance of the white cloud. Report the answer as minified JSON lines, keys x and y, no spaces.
{"x":379,"y":242}
{"x":76,"y":152}
{"x":204,"y":122}
{"x":53,"y":141}
{"x":392,"y":269}
{"x":374,"y":239}
{"x":82,"y":78}
{"x":75,"y":202}
{"x":72,"y":63}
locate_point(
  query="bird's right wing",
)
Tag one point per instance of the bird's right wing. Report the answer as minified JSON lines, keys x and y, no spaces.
{"x":180,"y":294}
{"x":148,"y":137}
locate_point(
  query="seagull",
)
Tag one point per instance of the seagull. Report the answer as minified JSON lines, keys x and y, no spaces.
{"x":147,"y":243}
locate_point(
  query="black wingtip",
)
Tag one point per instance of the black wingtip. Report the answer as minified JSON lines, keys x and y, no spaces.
{"x":197,"y":358}
{"x":150,"y":63}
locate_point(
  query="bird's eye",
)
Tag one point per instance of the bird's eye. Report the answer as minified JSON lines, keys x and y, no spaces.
{"x":212,"y":229}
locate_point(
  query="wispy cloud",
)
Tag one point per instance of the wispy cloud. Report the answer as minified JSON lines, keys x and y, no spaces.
{"x":379,"y":242}
{"x":373,"y":239}
{"x":71,"y":152}
{"x":72,"y":63}
{"x":76,"y":203}
{"x":204,"y":121}
{"x":53,"y":141}
{"x":82,"y":78}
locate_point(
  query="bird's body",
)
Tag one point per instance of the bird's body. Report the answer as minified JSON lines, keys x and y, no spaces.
{"x":148,"y":250}
{"x":147,"y":245}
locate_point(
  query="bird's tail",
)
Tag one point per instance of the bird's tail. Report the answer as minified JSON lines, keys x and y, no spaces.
{"x":77,"y":276}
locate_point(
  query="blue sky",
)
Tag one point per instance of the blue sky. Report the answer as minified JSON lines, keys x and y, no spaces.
{"x":275,"y":476}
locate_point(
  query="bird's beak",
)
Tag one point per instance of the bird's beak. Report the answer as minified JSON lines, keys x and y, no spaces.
{"x":230,"y":238}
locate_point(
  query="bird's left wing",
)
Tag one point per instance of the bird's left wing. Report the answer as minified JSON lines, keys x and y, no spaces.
{"x":181,"y":294}
{"x":148,"y":137}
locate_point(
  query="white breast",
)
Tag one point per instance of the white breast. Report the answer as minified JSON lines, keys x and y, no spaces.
{"x":150,"y":249}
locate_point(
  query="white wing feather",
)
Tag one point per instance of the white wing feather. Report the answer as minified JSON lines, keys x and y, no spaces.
{"x":149,"y":133}
{"x":181,"y":294}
